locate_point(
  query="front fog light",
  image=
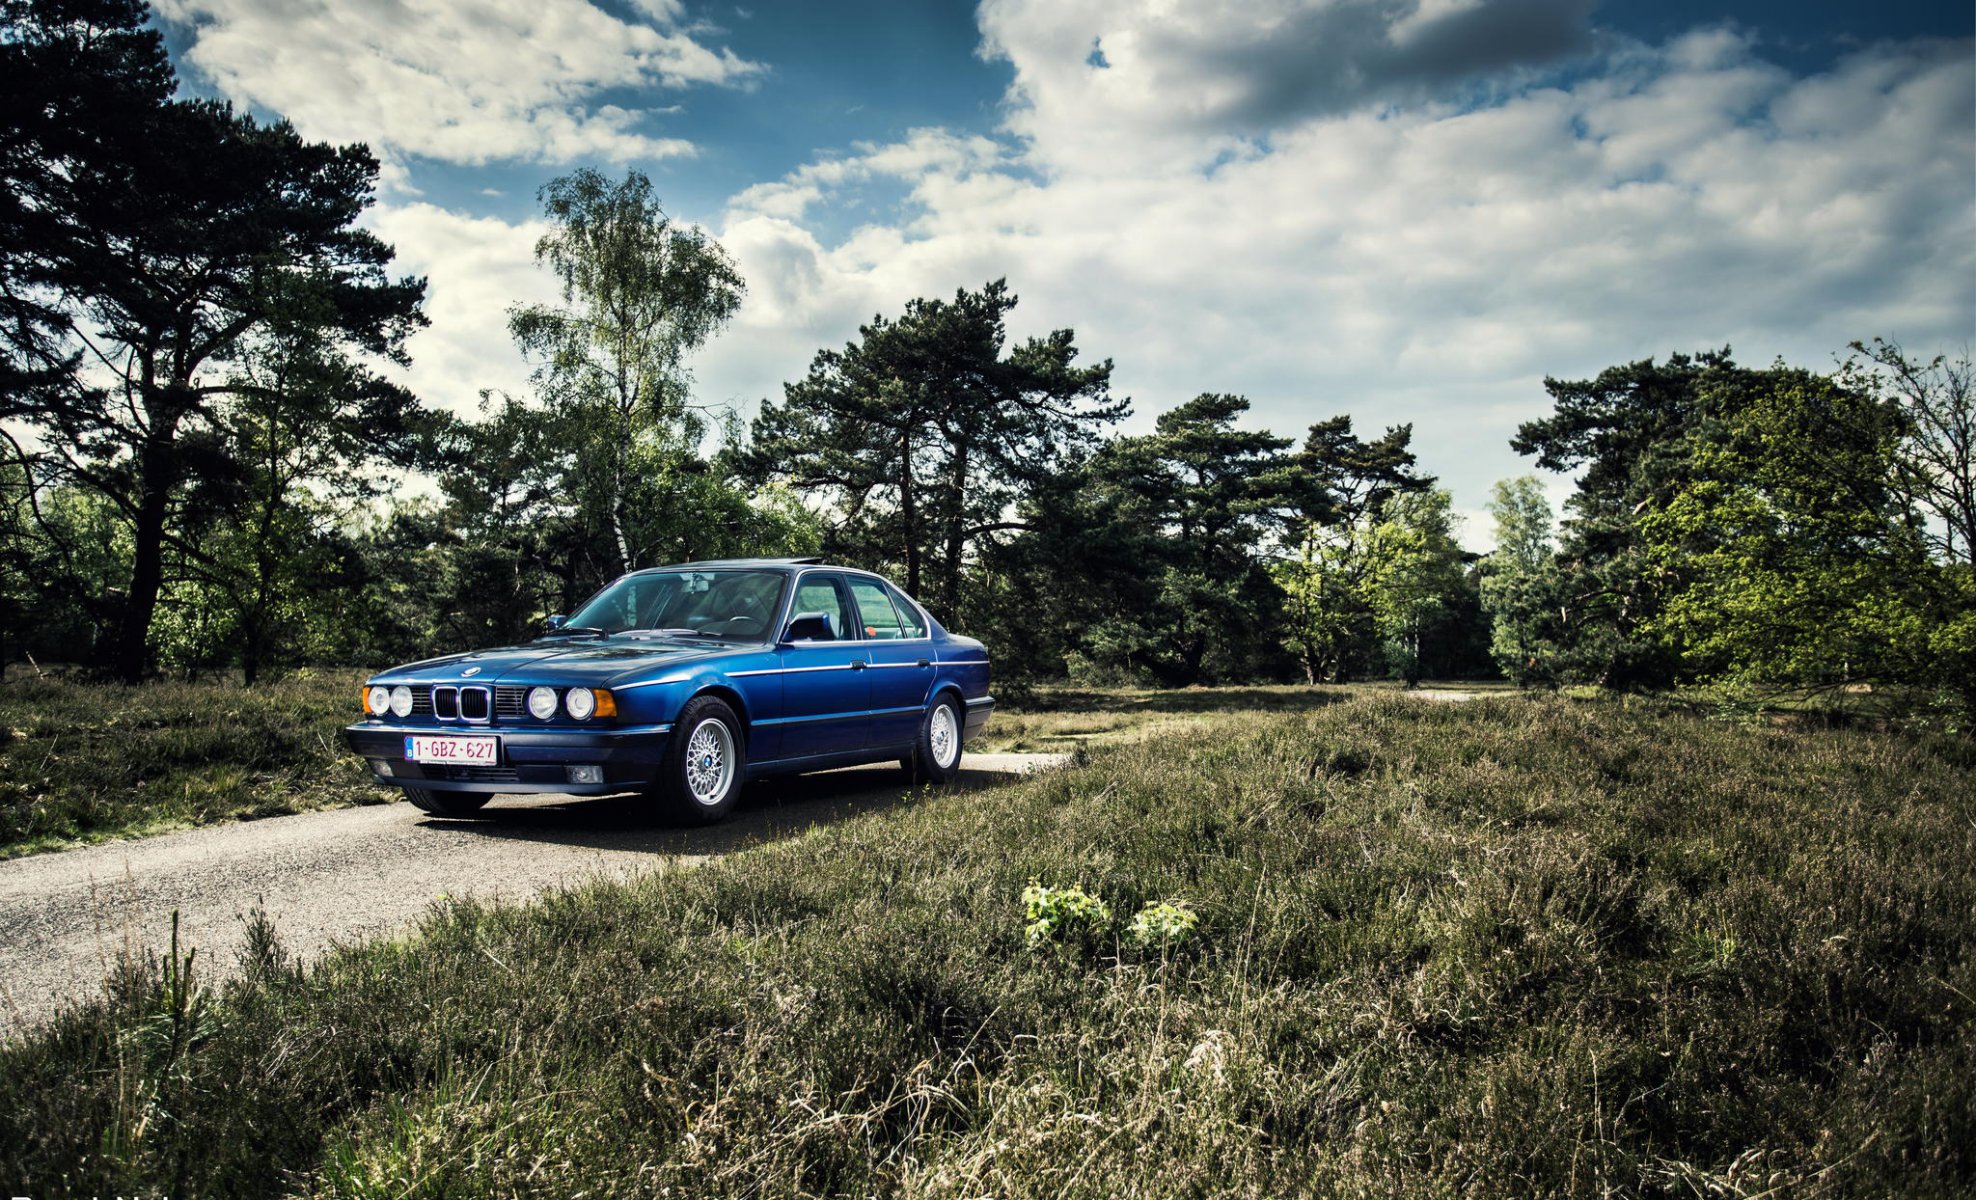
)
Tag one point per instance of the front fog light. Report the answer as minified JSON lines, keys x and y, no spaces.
{"x":580,"y":702}
{"x":542,"y":703}
{"x":401,"y":700}
{"x":378,"y":699}
{"x":586,"y":774}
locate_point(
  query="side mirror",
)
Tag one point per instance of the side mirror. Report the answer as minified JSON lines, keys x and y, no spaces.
{"x":809,"y":627}
{"x":556,"y":622}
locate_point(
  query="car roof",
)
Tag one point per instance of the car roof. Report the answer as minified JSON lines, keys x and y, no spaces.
{"x":732,"y":562}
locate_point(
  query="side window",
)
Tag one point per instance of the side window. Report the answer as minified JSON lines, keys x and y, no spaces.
{"x":912,"y":624}
{"x":818,"y":593}
{"x":876,"y":617}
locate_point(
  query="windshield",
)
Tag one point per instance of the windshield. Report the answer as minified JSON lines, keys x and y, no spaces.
{"x":729,"y":605}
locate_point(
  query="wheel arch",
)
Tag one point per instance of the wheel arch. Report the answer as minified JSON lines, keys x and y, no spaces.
{"x":948,"y":688}
{"x":730,"y":697}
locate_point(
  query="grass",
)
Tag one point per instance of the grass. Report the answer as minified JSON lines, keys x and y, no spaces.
{"x":1068,"y":718}
{"x":1514,"y":946}
{"x":83,"y":762}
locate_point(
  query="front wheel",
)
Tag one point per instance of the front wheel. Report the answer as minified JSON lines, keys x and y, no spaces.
{"x":448,"y":804}
{"x":700,"y":779}
{"x":937,"y":756}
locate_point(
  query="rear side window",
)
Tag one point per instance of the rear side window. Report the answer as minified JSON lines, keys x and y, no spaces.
{"x":878,"y":619}
{"x":910,"y":621}
{"x":818,"y":593}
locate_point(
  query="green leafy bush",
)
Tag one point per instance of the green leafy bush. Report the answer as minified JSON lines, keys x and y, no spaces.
{"x":1058,"y":913}
{"x":1161,"y":924}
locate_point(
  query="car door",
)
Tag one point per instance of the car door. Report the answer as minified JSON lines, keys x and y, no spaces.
{"x":901,"y":662}
{"x":826,"y":689}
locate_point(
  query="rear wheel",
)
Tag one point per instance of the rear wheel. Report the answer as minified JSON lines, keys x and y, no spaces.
{"x":448,"y":804}
{"x":700,"y":779}
{"x":937,"y":756}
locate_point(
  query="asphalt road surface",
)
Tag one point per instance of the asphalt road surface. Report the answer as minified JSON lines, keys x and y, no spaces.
{"x":67,"y":919}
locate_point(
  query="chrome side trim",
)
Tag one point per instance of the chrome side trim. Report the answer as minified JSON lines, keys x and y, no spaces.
{"x":802,"y":670}
{"x":626,"y":687}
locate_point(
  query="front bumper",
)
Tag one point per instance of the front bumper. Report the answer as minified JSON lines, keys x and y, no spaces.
{"x":532,"y":760}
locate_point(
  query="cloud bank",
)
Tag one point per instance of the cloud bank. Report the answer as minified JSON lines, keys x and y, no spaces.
{"x":472,"y":81}
{"x":1429,"y":263}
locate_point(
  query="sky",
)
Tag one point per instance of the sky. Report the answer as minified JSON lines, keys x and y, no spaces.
{"x":1412,"y":211}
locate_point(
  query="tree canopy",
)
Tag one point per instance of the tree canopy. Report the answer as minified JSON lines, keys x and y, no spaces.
{"x":923,"y":433}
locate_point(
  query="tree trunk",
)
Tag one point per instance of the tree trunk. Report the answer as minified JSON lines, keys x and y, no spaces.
{"x":956,"y":532}
{"x":618,"y":453}
{"x":909,"y":512}
{"x":157,"y":470}
{"x":250,"y":655}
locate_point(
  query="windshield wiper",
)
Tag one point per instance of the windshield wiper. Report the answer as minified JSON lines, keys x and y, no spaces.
{"x":572,"y":630}
{"x":680,"y":632}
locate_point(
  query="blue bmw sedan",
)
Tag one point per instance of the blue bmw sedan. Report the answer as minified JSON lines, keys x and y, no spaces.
{"x":684,"y":682}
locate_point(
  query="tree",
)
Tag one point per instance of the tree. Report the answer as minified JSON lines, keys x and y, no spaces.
{"x":640,"y":294}
{"x":300,"y":440}
{"x":1341,"y":487}
{"x":1630,"y":433}
{"x":1797,"y":556}
{"x":154,"y":264}
{"x":1415,"y":579}
{"x":1203,"y":494}
{"x":1935,"y":460}
{"x":78,"y":80}
{"x":922,"y":436}
{"x":1521,"y":585}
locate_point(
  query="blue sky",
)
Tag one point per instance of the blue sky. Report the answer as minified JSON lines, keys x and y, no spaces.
{"x":1410,"y":210}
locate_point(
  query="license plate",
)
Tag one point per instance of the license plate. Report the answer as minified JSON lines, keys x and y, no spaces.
{"x":455,"y":751}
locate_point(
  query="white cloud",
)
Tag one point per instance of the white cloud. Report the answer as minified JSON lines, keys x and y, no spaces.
{"x":470,"y":82}
{"x":927,"y":156}
{"x":475,"y":269}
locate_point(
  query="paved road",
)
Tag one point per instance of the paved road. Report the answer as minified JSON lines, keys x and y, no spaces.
{"x":66,"y":919}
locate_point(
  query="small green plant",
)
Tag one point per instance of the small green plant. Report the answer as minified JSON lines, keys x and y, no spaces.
{"x":1161,"y":924}
{"x":1055,"y":912}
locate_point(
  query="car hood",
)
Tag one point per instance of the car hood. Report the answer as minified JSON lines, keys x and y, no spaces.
{"x":561,"y":661}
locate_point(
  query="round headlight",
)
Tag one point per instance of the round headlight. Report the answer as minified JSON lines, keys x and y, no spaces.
{"x":401,"y":700}
{"x":542,"y":703}
{"x":378,"y":700}
{"x":580,"y":703}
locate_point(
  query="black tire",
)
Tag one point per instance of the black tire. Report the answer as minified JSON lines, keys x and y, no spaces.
{"x":448,"y":804}
{"x":683,"y":781}
{"x":926,"y":763}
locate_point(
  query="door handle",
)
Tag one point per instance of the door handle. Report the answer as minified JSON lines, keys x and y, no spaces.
{"x":924,"y":663}
{"x":859,"y":664}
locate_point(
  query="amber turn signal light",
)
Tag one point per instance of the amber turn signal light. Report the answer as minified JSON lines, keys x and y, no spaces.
{"x":606,"y":703}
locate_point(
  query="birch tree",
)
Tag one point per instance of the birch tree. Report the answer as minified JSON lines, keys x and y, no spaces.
{"x":640,"y":292}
